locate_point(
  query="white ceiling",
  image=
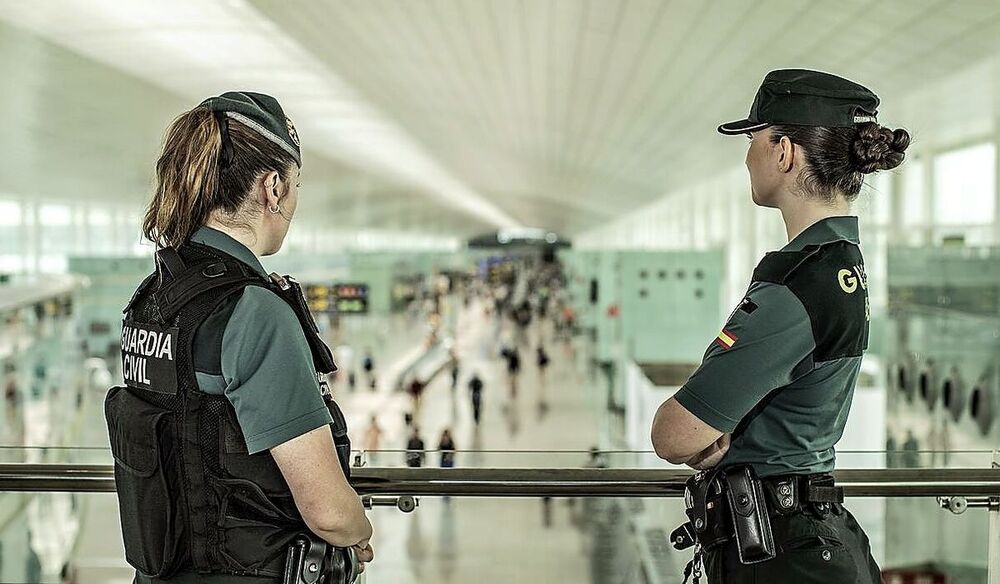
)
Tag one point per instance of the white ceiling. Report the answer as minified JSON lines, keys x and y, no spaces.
{"x":459,"y":115}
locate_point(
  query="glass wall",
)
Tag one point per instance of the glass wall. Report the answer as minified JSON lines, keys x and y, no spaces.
{"x":11,"y":237}
{"x":37,"y":237}
{"x":955,"y":199}
{"x":964,"y":193}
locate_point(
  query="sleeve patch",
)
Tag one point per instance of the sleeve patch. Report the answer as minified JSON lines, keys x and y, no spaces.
{"x":726,"y":339}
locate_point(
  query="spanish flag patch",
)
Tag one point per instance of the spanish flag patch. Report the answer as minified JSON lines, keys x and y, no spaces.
{"x":726,"y":339}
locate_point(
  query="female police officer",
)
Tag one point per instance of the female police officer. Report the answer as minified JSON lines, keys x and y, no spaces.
{"x":772,"y":394}
{"x":230,"y":454}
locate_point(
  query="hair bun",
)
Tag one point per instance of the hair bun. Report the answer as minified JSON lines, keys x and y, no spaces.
{"x":878,"y":148}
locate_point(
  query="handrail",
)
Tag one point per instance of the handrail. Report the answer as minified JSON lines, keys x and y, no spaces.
{"x":540,"y":482}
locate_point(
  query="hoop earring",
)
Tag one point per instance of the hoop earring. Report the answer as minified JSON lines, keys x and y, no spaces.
{"x":274,"y":210}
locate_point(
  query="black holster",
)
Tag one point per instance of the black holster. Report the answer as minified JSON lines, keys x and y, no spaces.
{"x":313,"y":561}
{"x":750,"y":519}
{"x":726,"y":504}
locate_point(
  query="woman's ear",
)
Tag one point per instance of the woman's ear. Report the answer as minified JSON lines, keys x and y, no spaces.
{"x":786,"y":154}
{"x":271,"y":183}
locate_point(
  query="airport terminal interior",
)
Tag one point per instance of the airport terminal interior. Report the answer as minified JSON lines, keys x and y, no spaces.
{"x":525,"y":201}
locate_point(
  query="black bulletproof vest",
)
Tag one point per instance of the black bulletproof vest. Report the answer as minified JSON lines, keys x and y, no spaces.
{"x":189,"y":493}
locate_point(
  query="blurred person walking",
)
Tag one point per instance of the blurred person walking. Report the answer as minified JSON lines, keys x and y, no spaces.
{"x":415,"y":449}
{"x":454,"y":372}
{"x":447,"y":447}
{"x":542,"y":361}
{"x":373,"y":439}
{"x":368,"y":364}
{"x":513,"y":356}
{"x":476,"y":393}
{"x":416,"y":391}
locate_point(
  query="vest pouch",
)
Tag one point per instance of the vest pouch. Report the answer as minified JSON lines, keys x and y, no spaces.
{"x":254,"y":531}
{"x":147,"y":480}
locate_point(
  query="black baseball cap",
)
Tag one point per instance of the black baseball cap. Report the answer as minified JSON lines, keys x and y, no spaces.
{"x":802,"y":97}
{"x":261,"y":113}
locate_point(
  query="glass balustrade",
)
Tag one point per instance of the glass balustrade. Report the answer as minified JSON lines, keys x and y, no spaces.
{"x":507,"y":532}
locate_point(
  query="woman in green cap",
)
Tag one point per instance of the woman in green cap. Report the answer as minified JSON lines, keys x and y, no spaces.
{"x":231,"y":458}
{"x":762,"y":413}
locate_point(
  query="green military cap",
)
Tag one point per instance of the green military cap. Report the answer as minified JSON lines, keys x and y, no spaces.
{"x":261,"y":113}
{"x":802,"y":97}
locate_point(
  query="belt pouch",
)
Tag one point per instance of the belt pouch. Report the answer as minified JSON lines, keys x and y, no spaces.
{"x":751,"y":523}
{"x":785,"y":494}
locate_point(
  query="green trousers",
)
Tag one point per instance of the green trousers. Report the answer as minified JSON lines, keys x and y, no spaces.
{"x":812,"y":547}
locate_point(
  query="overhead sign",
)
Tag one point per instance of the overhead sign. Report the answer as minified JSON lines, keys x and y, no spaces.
{"x":337,"y":298}
{"x":318,"y":297}
{"x":351,"y":298}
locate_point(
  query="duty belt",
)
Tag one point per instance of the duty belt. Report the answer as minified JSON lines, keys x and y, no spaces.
{"x":733,"y":503}
{"x":789,"y":493}
{"x":786,"y":495}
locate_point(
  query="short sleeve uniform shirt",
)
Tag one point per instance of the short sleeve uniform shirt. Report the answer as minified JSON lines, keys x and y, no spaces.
{"x":781,"y":374}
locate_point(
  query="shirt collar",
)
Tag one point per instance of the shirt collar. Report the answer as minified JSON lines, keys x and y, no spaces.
{"x":222,"y":242}
{"x":828,"y":230}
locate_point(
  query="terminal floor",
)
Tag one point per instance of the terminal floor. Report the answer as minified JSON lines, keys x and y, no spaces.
{"x":455,"y":540}
{"x":486,"y":540}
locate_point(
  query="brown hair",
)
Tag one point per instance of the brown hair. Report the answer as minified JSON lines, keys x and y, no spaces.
{"x":837,"y":158}
{"x":190,"y":183}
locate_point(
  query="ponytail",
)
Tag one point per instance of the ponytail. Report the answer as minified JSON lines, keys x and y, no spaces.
{"x":187,"y":178}
{"x":190,"y":185}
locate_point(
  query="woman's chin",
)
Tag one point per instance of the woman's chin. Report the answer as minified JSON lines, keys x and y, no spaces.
{"x":271,"y":251}
{"x":761,"y":201}
{"x":275,"y":247}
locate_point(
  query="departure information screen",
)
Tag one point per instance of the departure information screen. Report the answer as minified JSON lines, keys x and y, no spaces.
{"x":337,"y":298}
{"x":351,"y":298}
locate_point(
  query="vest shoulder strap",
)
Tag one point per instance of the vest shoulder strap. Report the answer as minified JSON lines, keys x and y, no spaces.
{"x":196,"y":278}
{"x":218,"y":272}
{"x":289,"y":290}
{"x":171,"y":260}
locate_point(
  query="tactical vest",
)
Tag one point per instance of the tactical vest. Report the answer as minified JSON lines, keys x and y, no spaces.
{"x":189,"y":493}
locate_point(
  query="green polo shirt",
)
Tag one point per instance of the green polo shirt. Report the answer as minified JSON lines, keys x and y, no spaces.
{"x":264,"y":364}
{"x":781,"y":374}
{"x":252,"y":350}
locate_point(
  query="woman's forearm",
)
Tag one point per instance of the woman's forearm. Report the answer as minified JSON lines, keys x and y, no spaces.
{"x":712,"y":455}
{"x":350,"y":533}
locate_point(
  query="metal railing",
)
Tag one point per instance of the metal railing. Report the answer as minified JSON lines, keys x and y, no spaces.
{"x":956,"y":489}
{"x":541,"y":482}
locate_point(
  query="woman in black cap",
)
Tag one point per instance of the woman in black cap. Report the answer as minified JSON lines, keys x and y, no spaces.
{"x":231,"y":458}
{"x":762,"y":413}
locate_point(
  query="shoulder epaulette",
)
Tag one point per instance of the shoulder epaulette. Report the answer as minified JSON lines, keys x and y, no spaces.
{"x":778,"y":266}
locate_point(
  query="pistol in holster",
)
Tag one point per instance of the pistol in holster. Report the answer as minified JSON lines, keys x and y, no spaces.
{"x":313,"y":561}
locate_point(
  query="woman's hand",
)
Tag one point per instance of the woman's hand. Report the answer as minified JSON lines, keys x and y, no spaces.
{"x":712,"y":455}
{"x":365,"y":553}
